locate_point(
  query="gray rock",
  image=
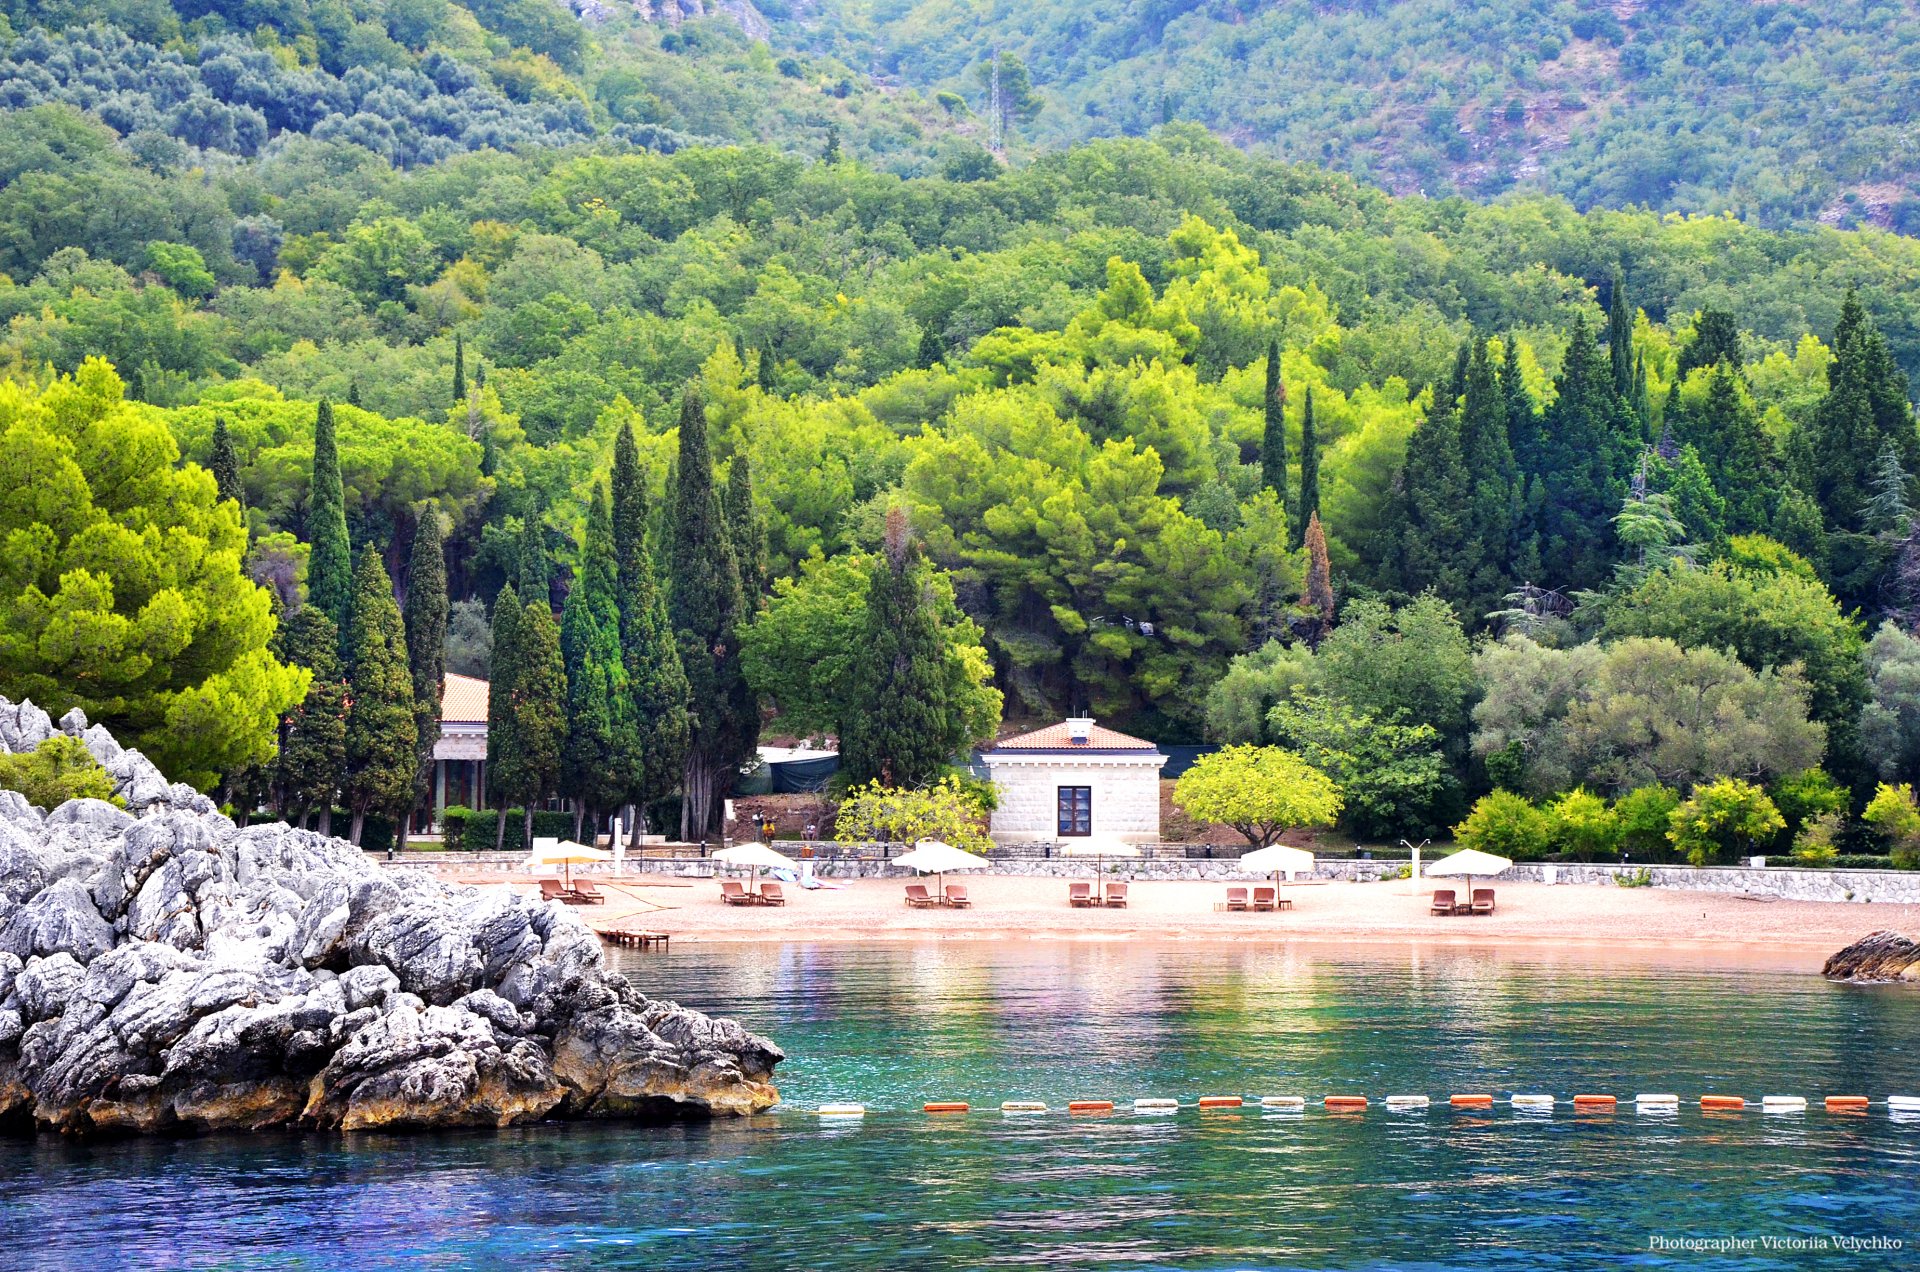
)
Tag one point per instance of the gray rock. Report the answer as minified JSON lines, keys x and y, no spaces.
{"x":161,"y":969}
{"x":74,"y":723}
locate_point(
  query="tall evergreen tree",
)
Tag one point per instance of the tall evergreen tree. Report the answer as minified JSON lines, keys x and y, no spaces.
{"x":652,"y":658}
{"x":459,"y":368}
{"x":1726,"y":432}
{"x":902,"y":730}
{"x":540,"y":712}
{"x":746,"y":529}
{"x":425,"y":619}
{"x":1716,"y":338}
{"x":1317,"y":604}
{"x":1620,"y":338}
{"x":1431,"y":499}
{"x":1273,"y":434}
{"x":1865,"y":408}
{"x":503,"y":745}
{"x":312,"y":763}
{"x":330,"y":581}
{"x":1889,"y":508}
{"x":600,"y":758}
{"x":381,"y":755}
{"x":1588,"y":442}
{"x":706,"y":603}
{"x":1309,"y":472}
{"x":534,"y":581}
{"x":353,"y":392}
{"x":224,"y":464}
{"x":1494,"y":497}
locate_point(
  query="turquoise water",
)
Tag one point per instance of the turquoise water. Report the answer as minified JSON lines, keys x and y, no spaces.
{"x":894,"y":1026}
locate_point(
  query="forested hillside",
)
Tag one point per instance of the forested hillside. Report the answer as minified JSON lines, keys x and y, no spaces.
{"x":1777,"y":111}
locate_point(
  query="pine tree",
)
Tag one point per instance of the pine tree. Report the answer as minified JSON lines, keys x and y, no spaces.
{"x":1620,"y":338}
{"x":1716,"y":338}
{"x":330,"y":581}
{"x":1431,"y":499}
{"x":459,"y":368}
{"x":540,"y":711}
{"x":1725,"y":430}
{"x":1588,"y":443}
{"x":425,"y":618}
{"x":312,"y":762}
{"x":381,"y":755}
{"x":1889,"y":510}
{"x":706,"y":603}
{"x":1309,"y":473}
{"x":1273,"y":435}
{"x":652,"y":659}
{"x":503,"y":743}
{"x":1493,"y":501}
{"x":600,"y":759}
{"x":225,"y":465}
{"x":746,"y":530}
{"x":1317,"y":603}
{"x":1865,"y":408}
{"x":900,"y":732}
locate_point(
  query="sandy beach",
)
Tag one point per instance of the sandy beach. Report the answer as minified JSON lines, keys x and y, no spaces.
{"x":1029,"y":908}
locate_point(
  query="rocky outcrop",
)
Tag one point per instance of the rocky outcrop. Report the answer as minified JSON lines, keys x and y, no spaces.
{"x":1883,"y":956}
{"x":162,"y":969}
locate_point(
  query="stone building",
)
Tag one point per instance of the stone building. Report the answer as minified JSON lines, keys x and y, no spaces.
{"x":1075,"y":779}
{"x":460,"y":752}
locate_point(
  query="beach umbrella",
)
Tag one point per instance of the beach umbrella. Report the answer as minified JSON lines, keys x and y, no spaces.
{"x":930,"y":856}
{"x":756,"y":855}
{"x":567,"y":854}
{"x":1099,"y":848}
{"x":1277,"y":857}
{"x":1469,"y":862}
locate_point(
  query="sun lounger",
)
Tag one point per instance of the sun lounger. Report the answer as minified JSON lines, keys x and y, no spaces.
{"x":957,"y":896}
{"x":1236,"y":898}
{"x":1079,"y":894}
{"x":588,"y":893}
{"x":733,"y":893}
{"x":1264,"y":898}
{"x":1117,"y":895}
{"x":917,"y":896}
{"x":550,"y":890}
{"x":1483,"y":901}
{"x":1443,"y":901}
{"x":771,"y":894}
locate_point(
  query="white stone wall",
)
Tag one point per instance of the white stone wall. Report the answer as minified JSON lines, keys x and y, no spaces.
{"x":1126,"y":795}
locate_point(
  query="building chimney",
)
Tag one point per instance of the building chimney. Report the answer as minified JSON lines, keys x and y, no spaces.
{"x":1079,"y":729}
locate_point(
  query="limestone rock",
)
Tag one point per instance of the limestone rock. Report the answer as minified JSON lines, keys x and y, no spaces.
{"x":163,"y":970}
{"x":1883,"y":956}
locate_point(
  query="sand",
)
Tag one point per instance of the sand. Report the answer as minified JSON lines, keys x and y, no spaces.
{"x":1009,"y":907}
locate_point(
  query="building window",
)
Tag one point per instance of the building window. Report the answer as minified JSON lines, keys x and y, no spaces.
{"x":1076,"y":810}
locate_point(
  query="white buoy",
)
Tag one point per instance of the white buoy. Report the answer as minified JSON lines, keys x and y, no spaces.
{"x":1532,"y":1101}
{"x":843,"y":1110}
{"x":1408,"y":1101}
{"x":1155,"y":1106}
{"x":1022,"y":1106}
{"x":1904,"y":1103}
{"x":1283,"y":1102}
{"x":1658,"y":1101}
{"x":1783,"y":1104}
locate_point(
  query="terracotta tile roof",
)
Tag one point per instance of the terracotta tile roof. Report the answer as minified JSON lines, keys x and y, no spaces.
{"x":1055,"y":737}
{"x":463,"y":700}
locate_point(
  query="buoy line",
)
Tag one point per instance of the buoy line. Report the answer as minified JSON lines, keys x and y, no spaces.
{"x":1903,"y":1106}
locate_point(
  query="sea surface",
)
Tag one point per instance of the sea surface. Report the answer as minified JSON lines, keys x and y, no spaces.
{"x":896,"y":1025}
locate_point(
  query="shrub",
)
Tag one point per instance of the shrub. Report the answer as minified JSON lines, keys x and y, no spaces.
{"x":1815,"y":845}
{"x":471,"y":830}
{"x":1893,"y":813}
{"x":1643,"y":818}
{"x":1505,"y":824}
{"x":1581,"y":824}
{"x":899,"y":814}
{"x":1724,"y":819}
{"x":1803,"y":796}
{"x":59,"y":770}
{"x":1260,"y":791}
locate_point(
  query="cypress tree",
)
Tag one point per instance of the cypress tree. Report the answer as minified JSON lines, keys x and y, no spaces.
{"x":1620,"y":338}
{"x":459,"y":368}
{"x":600,"y":758}
{"x":1865,"y":408}
{"x":503,"y":745}
{"x":425,"y":618}
{"x":381,"y":756}
{"x":1493,"y":501}
{"x":540,"y":711}
{"x":1587,"y":445}
{"x":1309,"y":473}
{"x":1716,"y":338}
{"x":534,"y":579}
{"x":1316,"y":603}
{"x":353,"y":392}
{"x":746,"y":530}
{"x":330,"y":579}
{"x":225,"y":465}
{"x":312,"y":762}
{"x":1432,"y":499}
{"x":1273,"y":434}
{"x":1726,"y":432}
{"x":654,"y":675}
{"x":900,"y":731}
{"x":706,"y":604}
{"x":763,"y":371}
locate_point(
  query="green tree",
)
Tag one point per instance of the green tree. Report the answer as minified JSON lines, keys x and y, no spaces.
{"x":225,"y":465}
{"x":1309,"y":504}
{"x":946,"y":810}
{"x":59,"y":769}
{"x":1392,"y":777}
{"x":1890,"y":721}
{"x":381,"y":741}
{"x":1716,"y":339}
{"x":121,"y":586}
{"x":1587,"y":442}
{"x":312,"y":764}
{"x":459,"y":369}
{"x":746,"y":530}
{"x":1893,"y":813}
{"x":425,"y":622}
{"x":1506,"y":825}
{"x":1260,"y":791}
{"x":1273,"y":430}
{"x":330,"y":582}
{"x":1413,"y":664}
{"x":533,"y":569}
{"x":1580,"y":823}
{"x":1644,"y":815}
{"x":706,"y":604}
{"x":535,"y":688}
{"x":1724,"y":819}
{"x":1620,"y":337}
{"x":1434,"y":551}
{"x":652,"y":658}
{"x":506,"y":667}
{"x":1865,"y":407}
{"x":601,"y":762}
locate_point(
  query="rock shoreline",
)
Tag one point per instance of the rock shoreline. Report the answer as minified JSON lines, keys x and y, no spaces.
{"x":162,"y":970}
{"x":1877,"y":958}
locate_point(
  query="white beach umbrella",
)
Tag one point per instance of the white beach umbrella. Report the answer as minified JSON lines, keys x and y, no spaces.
{"x":567,"y":854}
{"x":1097,"y":847}
{"x":756,"y":855}
{"x":1277,"y":857}
{"x":930,"y":856}
{"x":1469,"y":862}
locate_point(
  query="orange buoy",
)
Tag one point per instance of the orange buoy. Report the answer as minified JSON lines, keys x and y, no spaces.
{"x":945,"y":1106}
{"x":1470,"y":1101}
{"x":1594,"y":1101}
{"x":1722,"y":1102}
{"x":1346,"y":1103}
{"x":1089,"y":1106}
{"x":1221,"y":1101}
{"x":1846,"y":1104}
